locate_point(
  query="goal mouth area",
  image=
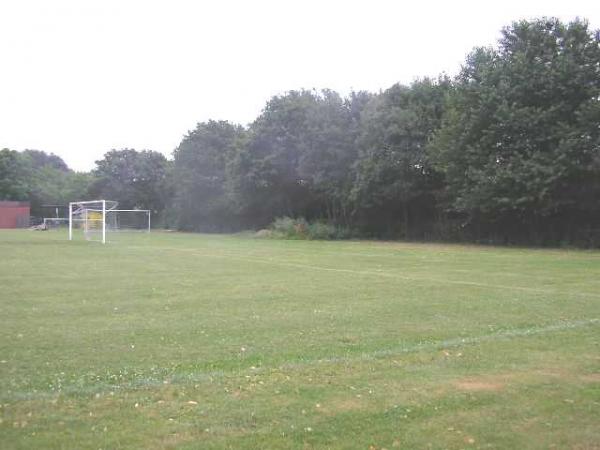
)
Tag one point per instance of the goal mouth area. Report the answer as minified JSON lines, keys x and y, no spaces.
{"x":99,"y":219}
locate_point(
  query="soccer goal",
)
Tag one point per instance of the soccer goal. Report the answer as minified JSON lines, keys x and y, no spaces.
{"x":55,"y":223}
{"x":96,"y":220}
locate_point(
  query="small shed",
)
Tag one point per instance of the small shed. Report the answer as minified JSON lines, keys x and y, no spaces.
{"x":14,"y":214}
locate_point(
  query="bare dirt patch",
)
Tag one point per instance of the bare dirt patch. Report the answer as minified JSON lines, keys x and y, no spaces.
{"x":474,"y":385}
{"x":343,"y":405}
{"x":591,"y":378}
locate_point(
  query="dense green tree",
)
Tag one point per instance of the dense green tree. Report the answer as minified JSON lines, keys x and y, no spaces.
{"x":52,"y":182}
{"x":394,"y":179}
{"x":297,"y":158}
{"x":40,"y":178}
{"x":325,"y":164}
{"x":15,"y":176}
{"x":264,"y":175}
{"x":201,"y":201}
{"x":52,"y":186}
{"x":136,"y":179}
{"x":41,"y":159}
{"x":519,"y":147}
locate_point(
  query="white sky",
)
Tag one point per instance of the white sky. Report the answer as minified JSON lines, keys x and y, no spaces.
{"x":78,"y":78}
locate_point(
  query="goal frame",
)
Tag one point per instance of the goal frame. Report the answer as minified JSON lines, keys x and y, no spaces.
{"x":104,"y":210}
{"x":46,"y":220}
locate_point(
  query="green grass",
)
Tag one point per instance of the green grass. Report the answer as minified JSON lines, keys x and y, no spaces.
{"x":191,"y":341}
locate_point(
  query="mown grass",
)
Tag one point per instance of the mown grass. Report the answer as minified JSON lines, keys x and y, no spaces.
{"x":191,"y":341}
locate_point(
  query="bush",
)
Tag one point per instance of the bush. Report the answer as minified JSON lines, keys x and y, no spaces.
{"x":290,"y":228}
{"x":321,"y":230}
{"x":263,"y":234}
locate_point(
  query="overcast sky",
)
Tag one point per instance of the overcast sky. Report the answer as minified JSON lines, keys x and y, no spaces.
{"x":78,"y":78}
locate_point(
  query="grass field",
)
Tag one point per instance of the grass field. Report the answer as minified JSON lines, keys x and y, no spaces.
{"x":194,"y":341}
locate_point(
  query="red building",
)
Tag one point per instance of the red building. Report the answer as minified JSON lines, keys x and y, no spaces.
{"x":14,"y":214}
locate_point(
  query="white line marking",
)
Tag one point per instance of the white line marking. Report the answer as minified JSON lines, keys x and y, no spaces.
{"x":177,"y":378}
{"x":382,"y":274}
{"x":459,"y":342}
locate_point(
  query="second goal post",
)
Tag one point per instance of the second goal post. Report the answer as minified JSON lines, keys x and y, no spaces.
{"x":96,"y":220}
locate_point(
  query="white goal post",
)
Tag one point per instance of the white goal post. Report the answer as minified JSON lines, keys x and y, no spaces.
{"x":97,"y":218}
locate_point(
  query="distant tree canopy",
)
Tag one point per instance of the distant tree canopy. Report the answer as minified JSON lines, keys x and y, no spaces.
{"x":508,"y":151}
{"x":136,"y":179}
{"x":297,"y":158}
{"x":41,"y":178}
{"x":394,"y":179}
{"x":15,"y":176}
{"x":39,"y":159}
{"x":201,"y":200}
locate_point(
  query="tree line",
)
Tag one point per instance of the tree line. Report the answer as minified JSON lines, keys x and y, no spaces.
{"x":507,"y":151}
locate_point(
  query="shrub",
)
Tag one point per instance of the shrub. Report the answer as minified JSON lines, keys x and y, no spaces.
{"x":290,"y":228}
{"x":263,"y":233}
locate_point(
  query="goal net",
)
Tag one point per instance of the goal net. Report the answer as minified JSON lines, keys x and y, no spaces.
{"x":55,"y":223}
{"x":100,"y":220}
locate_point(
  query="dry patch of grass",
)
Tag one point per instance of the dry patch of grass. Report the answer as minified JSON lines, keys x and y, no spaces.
{"x":343,"y":405}
{"x":479,"y":385}
{"x":590,"y":378}
{"x":499,"y":382}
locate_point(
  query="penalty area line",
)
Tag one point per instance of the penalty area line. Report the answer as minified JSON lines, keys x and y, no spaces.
{"x":279,"y":263}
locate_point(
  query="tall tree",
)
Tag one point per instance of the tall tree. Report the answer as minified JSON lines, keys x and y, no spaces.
{"x":40,"y":178}
{"x":395,"y":179}
{"x":42,"y":159}
{"x":136,"y":179}
{"x":519,"y":145}
{"x":15,"y":176}
{"x":297,"y":158}
{"x":200,"y":174}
